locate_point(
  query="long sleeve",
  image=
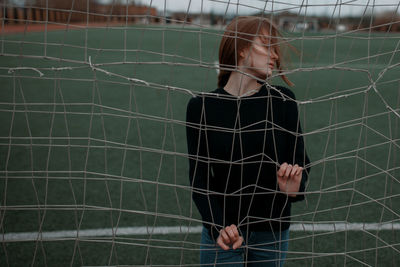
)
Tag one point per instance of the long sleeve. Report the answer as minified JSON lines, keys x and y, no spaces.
{"x":296,"y":149}
{"x":199,"y":167}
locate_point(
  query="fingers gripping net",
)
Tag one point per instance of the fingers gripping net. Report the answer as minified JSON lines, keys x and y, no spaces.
{"x":93,"y":156}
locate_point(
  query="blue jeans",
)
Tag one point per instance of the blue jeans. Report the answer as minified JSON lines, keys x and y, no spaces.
{"x":260,"y":249}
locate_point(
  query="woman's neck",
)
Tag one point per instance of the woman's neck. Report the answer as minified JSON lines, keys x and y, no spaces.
{"x":241,"y":85}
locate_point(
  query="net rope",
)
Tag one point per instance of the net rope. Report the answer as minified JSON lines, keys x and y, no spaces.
{"x":94,"y":164}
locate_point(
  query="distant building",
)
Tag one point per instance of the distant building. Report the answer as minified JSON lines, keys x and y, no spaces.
{"x":81,"y":11}
{"x":388,"y":21}
{"x":198,"y":19}
{"x":293,"y":23}
{"x":90,"y":11}
{"x":342,"y":27}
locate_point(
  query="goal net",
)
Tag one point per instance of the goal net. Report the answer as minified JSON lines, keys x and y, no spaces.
{"x":93,"y":154}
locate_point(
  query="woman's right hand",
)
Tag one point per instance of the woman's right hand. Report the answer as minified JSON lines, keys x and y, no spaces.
{"x":229,"y":236}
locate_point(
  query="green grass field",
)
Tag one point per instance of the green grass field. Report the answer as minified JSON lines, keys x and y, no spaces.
{"x":85,"y":149}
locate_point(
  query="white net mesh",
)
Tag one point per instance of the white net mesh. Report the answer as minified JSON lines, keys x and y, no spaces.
{"x":93,"y":156}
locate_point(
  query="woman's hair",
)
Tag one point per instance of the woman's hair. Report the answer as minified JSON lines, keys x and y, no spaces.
{"x":239,"y":35}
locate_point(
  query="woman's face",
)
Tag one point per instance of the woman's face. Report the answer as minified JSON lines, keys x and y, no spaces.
{"x":259,"y":59}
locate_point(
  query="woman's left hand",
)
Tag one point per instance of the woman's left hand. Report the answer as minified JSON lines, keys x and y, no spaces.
{"x":229,"y":236}
{"x":289,"y":178}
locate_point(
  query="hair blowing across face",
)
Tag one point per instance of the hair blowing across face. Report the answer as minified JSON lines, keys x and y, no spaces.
{"x":238,"y":36}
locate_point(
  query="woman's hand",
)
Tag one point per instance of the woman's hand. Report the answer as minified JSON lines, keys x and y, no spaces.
{"x":229,"y":236}
{"x":289,"y":178}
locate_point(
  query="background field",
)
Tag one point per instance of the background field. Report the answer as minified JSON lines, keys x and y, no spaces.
{"x":81,"y":148}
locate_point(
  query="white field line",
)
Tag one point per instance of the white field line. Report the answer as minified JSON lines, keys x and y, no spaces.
{"x":165,"y":230}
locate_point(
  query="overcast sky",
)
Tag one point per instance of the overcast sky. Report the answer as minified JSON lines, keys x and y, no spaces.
{"x":245,"y":7}
{"x":312,"y":7}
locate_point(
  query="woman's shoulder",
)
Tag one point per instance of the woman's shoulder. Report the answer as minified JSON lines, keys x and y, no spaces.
{"x":199,"y":100}
{"x":194,"y":105}
{"x":282,"y":92}
{"x":200,"y":97}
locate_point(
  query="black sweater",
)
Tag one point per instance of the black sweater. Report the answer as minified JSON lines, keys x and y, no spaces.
{"x":235,"y":147}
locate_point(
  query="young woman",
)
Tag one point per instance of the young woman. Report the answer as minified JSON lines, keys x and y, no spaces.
{"x":246,"y":153}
